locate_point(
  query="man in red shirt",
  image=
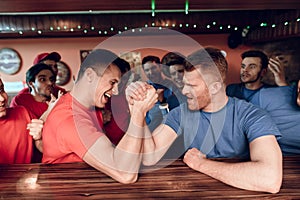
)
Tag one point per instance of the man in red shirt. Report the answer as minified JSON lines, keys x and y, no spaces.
{"x":51,"y":60}
{"x":17,"y":132}
{"x":40,"y":79}
{"x":72,"y":132}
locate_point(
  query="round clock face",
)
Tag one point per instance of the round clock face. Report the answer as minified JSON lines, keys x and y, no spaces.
{"x":63,"y":74}
{"x":10,"y":61}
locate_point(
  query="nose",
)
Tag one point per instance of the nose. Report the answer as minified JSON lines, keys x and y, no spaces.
{"x":184,"y":90}
{"x":115,"y":90}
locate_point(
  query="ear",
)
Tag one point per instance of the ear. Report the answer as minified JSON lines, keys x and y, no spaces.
{"x":263,"y":72}
{"x":90,"y":74}
{"x":215,"y":87}
{"x":32,"y":87}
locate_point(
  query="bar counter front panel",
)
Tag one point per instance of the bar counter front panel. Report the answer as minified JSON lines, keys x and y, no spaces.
{"x":173,"y":181}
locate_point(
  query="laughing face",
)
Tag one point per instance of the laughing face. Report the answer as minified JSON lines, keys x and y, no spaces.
{"x":43,"y":83}
{"x":3,"y":100}
{"x":176,"y":72}
{"x":107,"y":85}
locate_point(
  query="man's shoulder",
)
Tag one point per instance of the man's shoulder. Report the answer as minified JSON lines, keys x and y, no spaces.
{"x":19,"y":111}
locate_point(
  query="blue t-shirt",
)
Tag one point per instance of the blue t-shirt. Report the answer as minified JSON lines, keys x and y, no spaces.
{"x":241,"y":92}
{"x":280,"y":103}
{"x":226,"y":133}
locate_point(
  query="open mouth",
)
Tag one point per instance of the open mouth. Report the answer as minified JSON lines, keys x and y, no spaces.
{"x":107,"y":96}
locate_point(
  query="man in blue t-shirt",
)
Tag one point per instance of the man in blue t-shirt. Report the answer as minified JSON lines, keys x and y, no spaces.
{"x":215,"y":126}
{"x":279,"y":102}
{"x":253,"y":67}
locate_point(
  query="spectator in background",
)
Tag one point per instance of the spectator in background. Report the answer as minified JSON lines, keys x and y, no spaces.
{"x":164,"y":87}
{"x":254,"y":66}
{"x":50,"y":59}
{"x":19,"y":132}
{"x":279,"y":102}
{"x":40,"y":80}
{"x":217,"y":126}
{"x":173,"y":67}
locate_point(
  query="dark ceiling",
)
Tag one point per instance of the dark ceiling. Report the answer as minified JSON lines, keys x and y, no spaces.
{"x":56,"y":18}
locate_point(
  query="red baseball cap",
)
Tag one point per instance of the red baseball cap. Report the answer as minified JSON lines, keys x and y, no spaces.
{"x":47,"y":56}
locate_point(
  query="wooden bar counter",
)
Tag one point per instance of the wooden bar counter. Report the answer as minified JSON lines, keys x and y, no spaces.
{"x":174,"y":181}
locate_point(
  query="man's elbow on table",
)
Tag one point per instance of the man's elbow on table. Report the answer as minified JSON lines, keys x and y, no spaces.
{"x":274,"y":184}
{"x":127,"y":178}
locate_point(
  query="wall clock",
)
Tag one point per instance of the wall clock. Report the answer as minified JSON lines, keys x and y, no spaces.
{"x":63,"y":74}
{"x":10,"y":61}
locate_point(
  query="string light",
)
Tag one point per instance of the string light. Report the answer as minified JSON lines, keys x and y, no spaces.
{"x":159,"y":24}
{"x":153,"y":7}
{"x":186,"y":9}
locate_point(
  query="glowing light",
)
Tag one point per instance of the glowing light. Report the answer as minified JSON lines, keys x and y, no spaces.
{"x":273,"y":25}
{"x":153,"y":7}
{"x":20,"y":32}
{"x":263,"y":24}
{"x":208,"y":26}
{"x":286,"y":23}
{"x":186,"y":9}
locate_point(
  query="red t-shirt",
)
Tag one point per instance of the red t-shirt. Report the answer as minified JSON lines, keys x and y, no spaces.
{"x":16,"y":144}
{"x":70,"y":130}
{"x":33,"y":106}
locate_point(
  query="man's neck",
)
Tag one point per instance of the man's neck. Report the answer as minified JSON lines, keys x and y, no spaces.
{"x":254,"y":86}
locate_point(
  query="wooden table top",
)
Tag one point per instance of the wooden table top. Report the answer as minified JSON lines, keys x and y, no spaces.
{"x":175,"y":181}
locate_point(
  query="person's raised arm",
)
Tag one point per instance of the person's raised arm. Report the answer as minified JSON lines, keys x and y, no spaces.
{"x":35,"y":127}
{"x":155,"y":144}
{"x":262,"y":173}
{"x":122,"y":162}
{"x":277,"y":68}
